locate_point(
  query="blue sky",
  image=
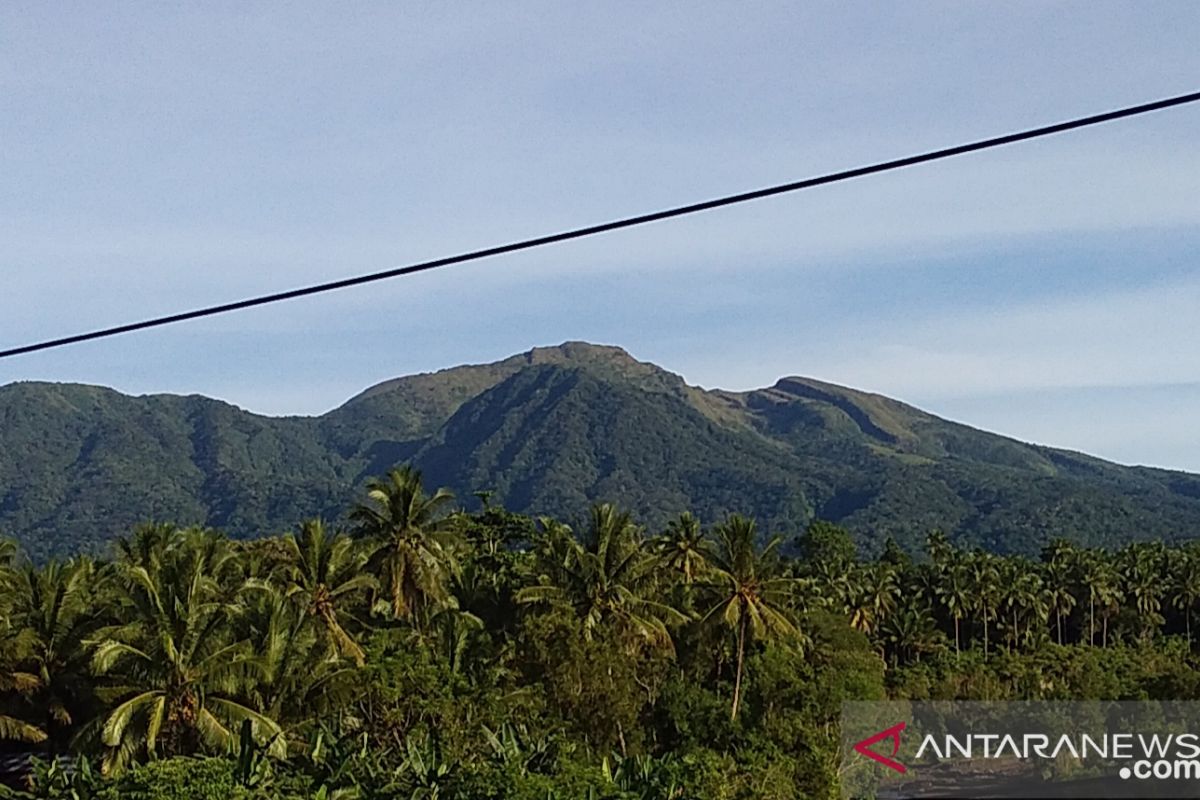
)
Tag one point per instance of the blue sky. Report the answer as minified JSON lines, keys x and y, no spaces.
{"x":156,"y":157}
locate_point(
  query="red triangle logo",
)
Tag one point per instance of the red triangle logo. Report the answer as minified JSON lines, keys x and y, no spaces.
{"x":893,"y":733}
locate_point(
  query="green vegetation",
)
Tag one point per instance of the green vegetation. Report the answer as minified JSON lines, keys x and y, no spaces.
{"x":553,"y":431}
{"x":432,"y":652}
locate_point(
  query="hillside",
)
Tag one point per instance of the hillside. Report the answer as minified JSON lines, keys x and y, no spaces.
{"x":550,"y":431}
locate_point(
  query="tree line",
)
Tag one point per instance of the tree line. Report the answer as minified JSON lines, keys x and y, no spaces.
{"x":430,"y":652}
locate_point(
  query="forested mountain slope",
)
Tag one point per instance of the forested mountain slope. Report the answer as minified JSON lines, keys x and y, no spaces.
{"x":550,"y":431}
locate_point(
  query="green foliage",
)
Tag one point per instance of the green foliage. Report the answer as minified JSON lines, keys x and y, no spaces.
{"x":525,"y":662}
{"x":553,"y":431}
{"x":178,"y":779}
{"x":827,"y":548}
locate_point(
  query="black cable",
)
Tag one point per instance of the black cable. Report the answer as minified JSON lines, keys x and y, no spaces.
{"x":627,"y":222}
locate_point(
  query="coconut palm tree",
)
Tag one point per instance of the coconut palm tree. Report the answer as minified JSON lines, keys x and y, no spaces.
{"x":941,"y":553}
{"x":1099,"y":574}
{"x":1022,"y":595}
{"x":11,"y":558}
{"x":751,"y":593}
{"x":1184,"y":586}
{"x":1096,"y":572}
{"x":414,"y":543}
{"x":288,"y":676}
{"x":147,"y":545}
{"x":681,"y":547}
{"x":876,"y":588}
{"x":1142,"y":571}
{"x":54,"y":607}
{"x":607,"y":580}
{"x":954,"y":592}
{"x":324,"y":575}
{"x":18,"y":684}
{"x":172,"y":662}
{"x":1058,"y":560}
{"x":985,"y":591}
{"x":911,"y":632}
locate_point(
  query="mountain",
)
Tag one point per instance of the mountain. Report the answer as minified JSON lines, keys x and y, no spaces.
{"x":550,"y":431}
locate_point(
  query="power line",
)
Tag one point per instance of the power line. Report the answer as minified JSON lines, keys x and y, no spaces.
{"x":626,"y":222}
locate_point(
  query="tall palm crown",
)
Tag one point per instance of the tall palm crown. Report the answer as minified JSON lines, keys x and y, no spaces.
{"x":606,"y":580}
{"x":1099,"y":575}
{"x":288,"y":675}
{"x":986,"y":591}
{"x":954,"y":591}
{"x":54,"y":609}
{"x":16,"y":647}
{"x":1184,"y":586}
{"x":751,"y":594}
{"x":414,"y":541}
{"x":323,"y":574}
{"x":912,"y":631}
{"x":1030,"y":602}
{"x":1058,"y":559}
{"x":681,"y":548}
{"x":16,"y":681}
{"x":1143,"y":573}
{"x":172,"y":661}
{"x":874,"y":595}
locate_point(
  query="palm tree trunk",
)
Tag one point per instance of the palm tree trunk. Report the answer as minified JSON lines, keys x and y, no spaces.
{"x":398,"y":608}
{"x":956,"y":650}
{"x":1091,"y":621}
{"x":1058,"y":620}
{"x":345,"y":645}
{"x":737,"y":683}
{"x":1187,"y":616}
{"x":985,"y":634}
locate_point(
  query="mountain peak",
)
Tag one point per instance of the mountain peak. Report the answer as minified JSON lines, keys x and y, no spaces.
{"x":606,"y":361}
{"x":551,"y":430}
{"x":575,"y":351}
{"x":472,"y":378}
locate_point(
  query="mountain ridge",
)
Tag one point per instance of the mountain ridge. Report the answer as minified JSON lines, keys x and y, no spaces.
{"x":549,"y":431}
